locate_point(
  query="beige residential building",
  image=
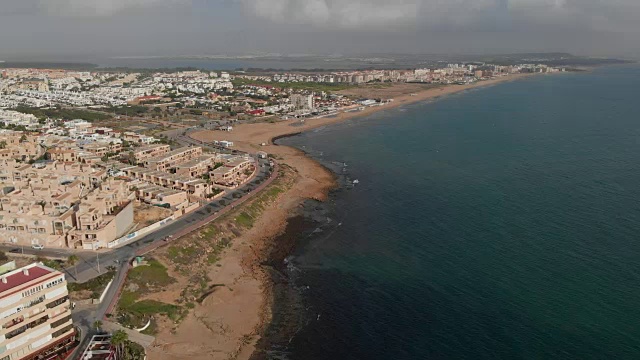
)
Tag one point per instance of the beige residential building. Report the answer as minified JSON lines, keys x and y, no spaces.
{"x":19,"y":146}
{"x":101,"y":149}
{"x":158,"y":195}
{"x":64,"y":154}
{"x":196,"y":167}
{"x":34,"y":313}
{"x":149,"y":151}
{"x":62,"y":205}
{"x":196,"y":187}
{"x":232,"y":173}
{"x":170,"y":160}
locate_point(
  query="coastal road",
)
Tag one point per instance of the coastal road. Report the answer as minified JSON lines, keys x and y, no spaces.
{"x":95,"y":263}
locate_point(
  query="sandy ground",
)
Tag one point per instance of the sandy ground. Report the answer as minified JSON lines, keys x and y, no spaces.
{"x":228,"y":323}
{"x":145,"y":214}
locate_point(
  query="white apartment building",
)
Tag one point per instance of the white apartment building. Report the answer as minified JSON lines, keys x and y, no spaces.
{"x":34,"y":313}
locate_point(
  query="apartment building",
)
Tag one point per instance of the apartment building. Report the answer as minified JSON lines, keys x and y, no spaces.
{"x":157,"y":195}
{"x":232,"y":173}
{"x":101,"y":149}
{"x":196,"y":167}
{"x":19,"y":146}
{"x":35,"y":315}
{"x":150,"y":151}
{"x":170,"y":160}
{"x":196,"y":187}
{"x":64,"y":154}
{"x":62,"y":205}
{"x":138,"y":138}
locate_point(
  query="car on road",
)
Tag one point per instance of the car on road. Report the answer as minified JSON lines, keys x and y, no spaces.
{"x":37,"y":246}
{"x":14,"y":250}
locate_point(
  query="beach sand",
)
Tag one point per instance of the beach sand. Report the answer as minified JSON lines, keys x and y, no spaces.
{"x":228,"y":324}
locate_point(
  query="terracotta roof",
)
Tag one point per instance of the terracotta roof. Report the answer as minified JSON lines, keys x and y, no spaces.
{"x":17,"y":277}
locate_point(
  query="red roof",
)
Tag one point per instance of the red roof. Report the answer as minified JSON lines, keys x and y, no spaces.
{"x":256,"y":112}
{"x":17,"y":277}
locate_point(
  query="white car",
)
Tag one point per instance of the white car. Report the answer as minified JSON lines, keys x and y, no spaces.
{"x":37,"y":246}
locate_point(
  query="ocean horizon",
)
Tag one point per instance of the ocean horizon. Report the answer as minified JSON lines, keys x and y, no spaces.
{"x":497,"y":223}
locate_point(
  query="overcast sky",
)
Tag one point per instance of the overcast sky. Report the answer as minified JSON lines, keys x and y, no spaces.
{"x":45,"y":28}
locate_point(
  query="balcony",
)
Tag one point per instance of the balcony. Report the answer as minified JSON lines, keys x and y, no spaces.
{"x":24,"y":328}
{"x":13,"y":322}
{"x":58,"y":302}
{"x":62,"y":331}
{"x":57,"y":323}
{"x":35,"y":302}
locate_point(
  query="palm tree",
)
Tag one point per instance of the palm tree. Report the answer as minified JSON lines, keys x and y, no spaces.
{"x":73,"y":260}
{"x":119,"y":340}
{"x":98,"y":325}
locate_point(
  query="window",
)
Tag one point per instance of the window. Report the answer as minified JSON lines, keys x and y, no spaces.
{"x":32,"y":291}
{"x":54,"y":282}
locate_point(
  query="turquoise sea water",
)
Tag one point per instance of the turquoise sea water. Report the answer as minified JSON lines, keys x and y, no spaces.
{"x":501,"y":223}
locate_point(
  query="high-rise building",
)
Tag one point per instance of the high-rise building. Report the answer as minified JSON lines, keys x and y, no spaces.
{"x":34,"y":314}
{"x":302,"y":102}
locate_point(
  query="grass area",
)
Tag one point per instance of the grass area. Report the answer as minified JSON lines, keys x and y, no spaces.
{"x":180,"y":255}
{"x":254,"y":210}
{"x":127,"y":298}
{"x":135,"y":313}
{"x":153,"y":275}
{"x":95,"y":285}
{"x":152,"y":307}
{"x":244,"y":220}
{"x":62,"y":113}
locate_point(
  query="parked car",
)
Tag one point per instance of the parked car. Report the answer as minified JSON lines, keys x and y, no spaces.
{"x":37,"y":246}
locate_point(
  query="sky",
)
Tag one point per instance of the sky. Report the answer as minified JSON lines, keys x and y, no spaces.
{"x":44,"y":29}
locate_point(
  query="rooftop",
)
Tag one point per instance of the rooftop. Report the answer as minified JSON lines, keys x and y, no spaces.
{"x":22,"y":276}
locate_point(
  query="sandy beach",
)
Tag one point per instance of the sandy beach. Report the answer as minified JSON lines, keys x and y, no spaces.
{"x":248,"y":137}
{"x":228,"y":323}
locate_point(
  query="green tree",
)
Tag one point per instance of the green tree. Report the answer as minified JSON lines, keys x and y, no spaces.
{"x":3,"y":144}
{"x":98,"y":325}
{"x":119,"y":339}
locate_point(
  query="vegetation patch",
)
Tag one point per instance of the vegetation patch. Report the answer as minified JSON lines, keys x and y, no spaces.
{"x":94,"y":286}
{"x":152,"y":275}
{"x":244,"y":220}
{"x":152,"y":307}
{"x":63,"y":113}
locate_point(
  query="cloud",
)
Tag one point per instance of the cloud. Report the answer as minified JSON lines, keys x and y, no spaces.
{"x":103,"y":8}
{"x":341,"y":13}
{"x":609,"y":15}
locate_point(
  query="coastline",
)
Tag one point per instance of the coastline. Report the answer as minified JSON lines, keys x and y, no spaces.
{"x":248,"y":137}
{"x":254,"y":263}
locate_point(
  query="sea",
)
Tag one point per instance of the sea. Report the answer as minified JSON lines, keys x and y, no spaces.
{"x":498,"y":223}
